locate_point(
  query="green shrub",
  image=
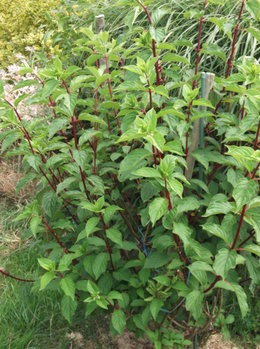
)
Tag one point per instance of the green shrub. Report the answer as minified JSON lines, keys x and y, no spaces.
{"x":125,"y":225}
{"x":22,"y":24}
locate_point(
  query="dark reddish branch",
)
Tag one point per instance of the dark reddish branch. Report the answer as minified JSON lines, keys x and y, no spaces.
{"x":247,"y":239}
{"x":151,"y":107}
{"x":95,"y":138}
{"x":48,"y":228}
{"x":167,"y":194}
{"x":111,"y":94}
{"x":239,"y":227}
{"x":25,"y":132}
{"x":217,"y":278}
{"x":157,"y":69}
{"x":231,"y":54}
{"x":107,"y":241}
{"x":198,"y":47}
{"x":122,"y":64}
{"x":257,"y":136}
{"x":234,"y":41}
{"x":255,"y":170}
{"x":75,"y":112}
{"x":5,"y":273}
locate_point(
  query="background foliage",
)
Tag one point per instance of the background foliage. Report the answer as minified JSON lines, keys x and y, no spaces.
{"x":119,"y":225}
{"x":22,"y":24}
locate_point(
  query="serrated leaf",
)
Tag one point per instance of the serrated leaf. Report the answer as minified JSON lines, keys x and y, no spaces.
{"x":114,"y":235}
{"x":56,"y":125}
{"x":68,"y":308}
{"x":155,"y":307}
{"x":241,"y":295}
{"x":255,"y":249}
{"x":225,"y":260}
{"x":171,"y":57}
{"x":156,"y":260}
{"x":68,"y":286}
{"x":216,"y":230}
{"x":100,"y":264}
{"x":147,"y":172}
{"x":118,"y":320}
{"x":46,"y":279}
{"x":244,"y":191}
{"x":157,"y":208}
{"x":47,"y":264}
{"x":194,"y":303}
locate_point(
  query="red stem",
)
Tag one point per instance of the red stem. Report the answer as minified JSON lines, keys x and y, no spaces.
{"x":247,"y":239}
{"x":198,"y":47}
{"x":158,"y":80}
{"x":107,"y":241}
{"x":213,"y":284}
{"x":231,"y":55}
{"x":239,"y":226}
{"x":111,"y":94}
{"x":257,"y":136}
{"x":48,"y":228}
{"x":5,"y":273}
{"x":234,"y":40}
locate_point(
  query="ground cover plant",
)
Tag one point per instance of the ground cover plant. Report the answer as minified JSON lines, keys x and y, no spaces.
{"x":125,"y":223}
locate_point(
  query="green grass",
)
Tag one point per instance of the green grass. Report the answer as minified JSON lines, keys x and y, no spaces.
{"x":30,"y":319}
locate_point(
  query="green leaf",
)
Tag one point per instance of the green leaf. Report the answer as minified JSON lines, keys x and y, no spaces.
{"x":49,"y":203}
{"x":134,"y":69}
{"x":136,"y":159}
{"x":241,"y":295}
{"x":174,"y":147}
{"x":255,"y":32}
{"x":214,"y":50}
{"x":203,"y":103}
{"x":224,"y":261}
{"x":9,"y":140}
{"x":218,"y":205}
{"x":34,"y":162}
{"x":56,"y":125}
{"x":91,"y":118}
{"x":176,"y":186}
{"x":114,"y":235}
{"x":155,"y":307}
{"x":109,"y":213}
{"x":68,"y":286}
{"x":217,"y":230}
{"x":147,"y":172}
{"x":243,"y":155}
{"x":158,"y":14}
{"x":118,"y":320}
{"x":47,"y":264}
{"x":189,"y":203}
{"x":252,"y":7}
{"x":68,"y":308}
{"x":156,"y":260}
{"x":46,"y":279}
{"x":100,"y":264}
{"x":171,"y":57}
{"x":157,"y":208}
{"x":161,"y":90}
{"x":90,"y":227}
{"x":34,"y":224}
{"x":49,"y":87}
{"x":158,"y":34}
{"x":194,"y":303}
{"x":253,"y":249}
{"x":244,"y":191}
